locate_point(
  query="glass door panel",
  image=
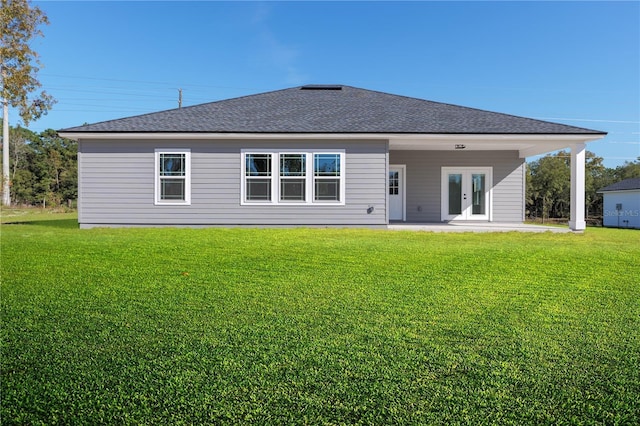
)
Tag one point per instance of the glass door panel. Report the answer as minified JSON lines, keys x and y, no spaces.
{"x":394,"y":182}
{"x":455,"y":193}
{"x":478,"y":203}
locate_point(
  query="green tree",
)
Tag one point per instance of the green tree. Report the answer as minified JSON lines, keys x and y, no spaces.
{"x":44,"y":167}
{"x":596,"y":176}
{"x":549,"y":185}
{"x":22,"y":178}
{"x":630,"y":169}
{"x":19,"y":23}
{"x":60,"y":158}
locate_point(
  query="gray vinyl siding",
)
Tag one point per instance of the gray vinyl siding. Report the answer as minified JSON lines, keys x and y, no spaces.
{"x":116,"y":185}
{"x":423,"y":186}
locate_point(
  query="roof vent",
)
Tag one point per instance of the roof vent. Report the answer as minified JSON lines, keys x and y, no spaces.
{"x":321,"y":87}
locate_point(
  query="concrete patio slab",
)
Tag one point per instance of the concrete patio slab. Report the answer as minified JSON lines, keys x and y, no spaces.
{"x":476,"y":227}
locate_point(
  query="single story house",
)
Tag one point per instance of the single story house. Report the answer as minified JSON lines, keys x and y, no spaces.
{"x":621,"y":204}
{"x":316,"y":155}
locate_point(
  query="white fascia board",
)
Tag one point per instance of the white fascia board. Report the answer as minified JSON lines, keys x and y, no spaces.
{"x":574,"y":138}
{"x":414,"y":140}
{"x":210,"y":136}
{"x":526,"y":145}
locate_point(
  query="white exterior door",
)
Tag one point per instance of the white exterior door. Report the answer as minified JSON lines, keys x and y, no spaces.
{"x":466,"y":193}
{"x":397,"y":192}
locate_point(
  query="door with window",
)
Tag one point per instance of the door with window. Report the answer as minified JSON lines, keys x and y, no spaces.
{"x":396,"y":192}
{"x":466,"y":193}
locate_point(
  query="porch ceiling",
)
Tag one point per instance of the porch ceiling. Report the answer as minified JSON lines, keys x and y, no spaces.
{"x":526,"y":145}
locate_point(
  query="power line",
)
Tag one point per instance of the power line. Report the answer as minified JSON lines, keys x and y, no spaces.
{"x":97,"y":106}
{"x":588,"y":120}
{"x":173,"y":85}
{"x":106,"y":92}
{"x":146,"y":82}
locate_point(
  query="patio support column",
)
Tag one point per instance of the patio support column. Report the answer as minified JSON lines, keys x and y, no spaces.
{"x":576,"y":221}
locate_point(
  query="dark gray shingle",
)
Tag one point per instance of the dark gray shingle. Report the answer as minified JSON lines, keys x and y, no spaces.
{"x":623,"y":185}
{"x":330,"y":109}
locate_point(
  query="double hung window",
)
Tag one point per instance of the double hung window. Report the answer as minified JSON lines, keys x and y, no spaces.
{"x":326,"y":177}
{"x":258,"y":177}
{"x":173,"y":177}
{"x":293,"y":177}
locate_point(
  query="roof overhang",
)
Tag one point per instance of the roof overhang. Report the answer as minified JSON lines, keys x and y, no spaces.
{"x":526,"y":144}
{"x":615,"y":191}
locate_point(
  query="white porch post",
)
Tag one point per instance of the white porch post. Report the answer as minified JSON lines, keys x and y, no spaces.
{"x":577,"y":222}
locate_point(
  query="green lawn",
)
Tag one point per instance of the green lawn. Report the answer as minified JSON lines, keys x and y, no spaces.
{"x":317,"y":326}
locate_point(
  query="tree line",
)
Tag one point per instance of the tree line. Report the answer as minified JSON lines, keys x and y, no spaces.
{"x":43,"y":168}
{"x":43,"y":171}
{"x":549,"y":184}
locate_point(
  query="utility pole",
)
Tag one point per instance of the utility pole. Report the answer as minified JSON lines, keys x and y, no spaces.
{"x":179,"y":98}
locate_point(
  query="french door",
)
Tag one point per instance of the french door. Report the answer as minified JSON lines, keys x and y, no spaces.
{"x":466,"y":193}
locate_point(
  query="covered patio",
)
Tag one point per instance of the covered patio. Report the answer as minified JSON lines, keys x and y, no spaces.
{"x":490,"y":150}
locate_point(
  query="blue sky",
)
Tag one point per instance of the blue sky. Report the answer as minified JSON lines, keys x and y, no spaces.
{"x":572,"y":62}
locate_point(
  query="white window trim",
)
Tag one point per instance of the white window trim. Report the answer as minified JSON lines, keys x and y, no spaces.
{"x":187,"y":177}
{"x":275,"y":178}
{"x":308,"y":167}
{"x":243,"y":171}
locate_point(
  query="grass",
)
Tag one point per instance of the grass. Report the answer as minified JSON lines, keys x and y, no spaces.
{"x":11,"y":215}
{"x":317,"y":326}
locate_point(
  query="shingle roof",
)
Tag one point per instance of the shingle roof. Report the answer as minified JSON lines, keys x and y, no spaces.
{"x":330,"y":109}
{"x":623,"y":185}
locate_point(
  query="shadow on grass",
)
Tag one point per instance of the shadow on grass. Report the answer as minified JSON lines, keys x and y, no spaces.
{"x":52,"y":223}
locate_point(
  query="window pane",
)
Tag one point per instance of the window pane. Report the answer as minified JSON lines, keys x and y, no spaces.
{"x":258,"y":189}
{"x":172,"y":164}
{"x":292,"y":164}
{"x":327,"y":164}
{"x":292,"y":189}
{"x":393,"y":183}
{"x":455,"y":194}
{"x":327,"y":190}
{"x":478,"y":206}
{"x":258,"y":164}
{"x":172,"y":189}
